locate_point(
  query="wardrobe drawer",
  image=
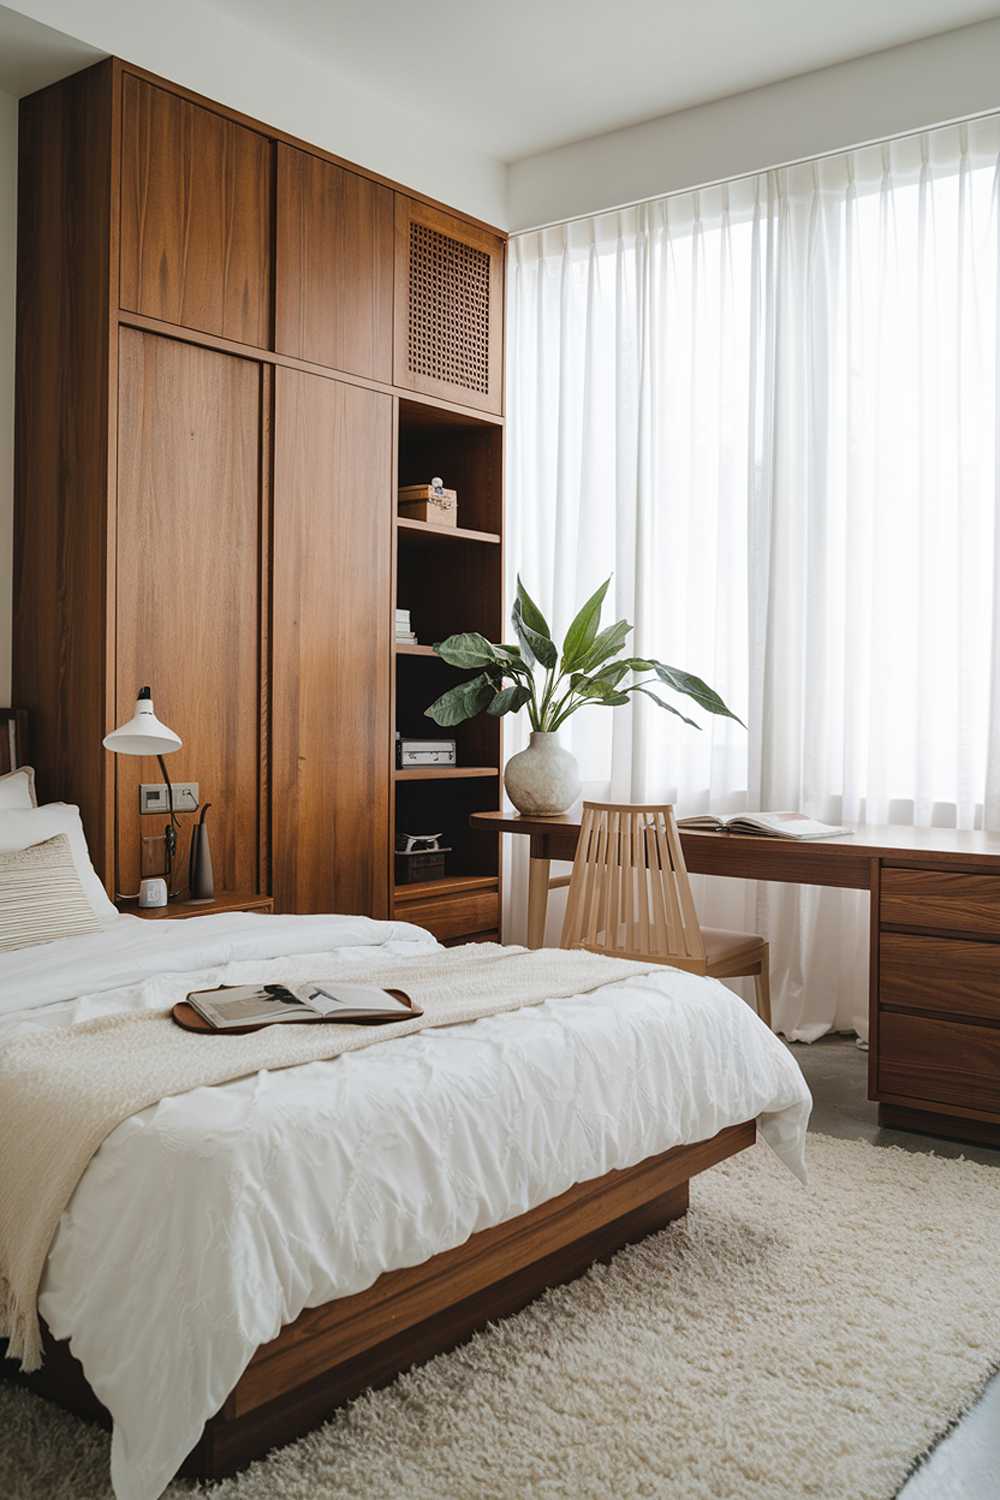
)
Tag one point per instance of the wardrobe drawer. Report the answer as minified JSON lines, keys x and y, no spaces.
{"x":453,"y":916}
{"x":942,"y":974}
{"x":944,"y":1062}
{"x":939,"y":899}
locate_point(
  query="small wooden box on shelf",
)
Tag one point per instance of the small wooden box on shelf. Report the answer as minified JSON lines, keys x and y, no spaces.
{"x":225,"y":901}
{"x":449,"y":578}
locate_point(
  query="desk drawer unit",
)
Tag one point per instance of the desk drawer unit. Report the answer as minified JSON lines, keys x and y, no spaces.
{"x":939,"y":899}
{"x":939,"y":996}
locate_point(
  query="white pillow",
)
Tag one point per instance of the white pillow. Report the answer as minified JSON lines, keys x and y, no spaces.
{"x":22,"y":827}
{"x":17,"y":789}
{"x":41,"y":898}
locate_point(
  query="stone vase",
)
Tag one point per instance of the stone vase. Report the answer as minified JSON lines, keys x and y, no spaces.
{"x":544,"y":779}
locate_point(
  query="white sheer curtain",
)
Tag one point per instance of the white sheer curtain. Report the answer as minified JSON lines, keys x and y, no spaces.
{"x":770,"y":408}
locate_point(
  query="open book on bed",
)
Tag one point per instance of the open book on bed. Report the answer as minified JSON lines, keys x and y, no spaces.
{"x":775,"y":825}
{"x":307,"y":1000}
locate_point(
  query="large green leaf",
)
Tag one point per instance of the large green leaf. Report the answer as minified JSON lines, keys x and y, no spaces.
{"x":648,"y":693}
{"x":693,"y":687}
{"x":530,"y":613}
{"x":470,"y":649}
{"x":537,"y":647}
{"x":509,"y":700}
{"x":608,"y":643}
{"x":580,"y":635}
{"x":462,"y":702}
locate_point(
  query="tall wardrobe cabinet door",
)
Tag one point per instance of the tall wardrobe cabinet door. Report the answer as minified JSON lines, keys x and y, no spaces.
{"x":334,"y":280}
{"x":188,"y":589}
{"x":448,"y":307}
{"x":196,"y":216}
{"x":331,"y":652}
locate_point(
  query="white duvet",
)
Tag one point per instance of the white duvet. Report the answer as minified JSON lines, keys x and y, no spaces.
{"x":208,"y":1221}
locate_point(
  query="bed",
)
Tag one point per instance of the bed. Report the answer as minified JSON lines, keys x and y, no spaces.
{"x":238,"y":1260}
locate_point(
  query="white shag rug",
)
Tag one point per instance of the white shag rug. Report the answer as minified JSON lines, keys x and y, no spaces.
{"x":781,"y":1343}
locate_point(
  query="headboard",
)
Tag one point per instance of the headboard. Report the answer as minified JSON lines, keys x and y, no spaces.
{"x":13,"y":738}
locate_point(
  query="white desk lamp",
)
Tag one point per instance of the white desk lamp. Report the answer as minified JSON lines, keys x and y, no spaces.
{"x":145,"y":735}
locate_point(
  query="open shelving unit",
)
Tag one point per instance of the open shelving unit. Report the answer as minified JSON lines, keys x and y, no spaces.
{"x":450,"y":579}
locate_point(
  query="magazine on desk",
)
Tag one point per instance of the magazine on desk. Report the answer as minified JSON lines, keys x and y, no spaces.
{"x":775,"y":825}
{"x":306,"y":1000}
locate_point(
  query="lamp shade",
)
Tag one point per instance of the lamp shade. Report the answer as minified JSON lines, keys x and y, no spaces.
{"x":143,"y":734}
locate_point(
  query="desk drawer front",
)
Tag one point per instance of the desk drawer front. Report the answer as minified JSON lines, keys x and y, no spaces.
{"x":944,"y":1062}
{"x":940,"y":974}
{"x":453,"y":916}
{"x":939,"y":899}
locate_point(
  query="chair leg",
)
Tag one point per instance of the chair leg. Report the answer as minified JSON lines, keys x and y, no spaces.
{"x":762,"y":988}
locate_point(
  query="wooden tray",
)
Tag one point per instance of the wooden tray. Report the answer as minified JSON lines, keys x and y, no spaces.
{"x":189,"y":1019}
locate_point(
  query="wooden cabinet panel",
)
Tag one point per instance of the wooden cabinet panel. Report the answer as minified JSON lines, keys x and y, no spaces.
{"x":333,"y":301}
{"x":944,"y":1062}
{"x":453,"y":916}
{"x":196,"y":216}
{"x":938,"y":899}
{"x":449,"y":307}
{"x":188,"y":587}
{"x":940,"y":974}
{"x":332,"y":570}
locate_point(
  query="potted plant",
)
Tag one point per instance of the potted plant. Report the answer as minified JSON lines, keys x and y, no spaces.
{"x":544,"y":779}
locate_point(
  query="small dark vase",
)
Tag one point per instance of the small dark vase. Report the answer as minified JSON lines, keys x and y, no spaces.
{"x":201,"y":878}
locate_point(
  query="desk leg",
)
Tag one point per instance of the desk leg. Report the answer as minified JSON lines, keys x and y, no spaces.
{"x":538,"y":900}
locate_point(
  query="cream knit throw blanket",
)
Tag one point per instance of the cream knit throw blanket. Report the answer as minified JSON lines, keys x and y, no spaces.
{"x":62,"y":1092}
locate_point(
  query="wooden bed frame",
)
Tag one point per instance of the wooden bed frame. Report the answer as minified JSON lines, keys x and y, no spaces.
{"x":332,"y":1353}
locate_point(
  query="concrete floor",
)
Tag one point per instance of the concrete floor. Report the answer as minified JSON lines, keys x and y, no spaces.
{"x":966,"y":1464}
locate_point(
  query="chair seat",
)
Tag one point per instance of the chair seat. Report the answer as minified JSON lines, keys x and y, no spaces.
{"x":723,"y":945}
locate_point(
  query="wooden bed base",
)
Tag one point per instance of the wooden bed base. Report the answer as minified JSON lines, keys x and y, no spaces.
{"x":332,"y":1353}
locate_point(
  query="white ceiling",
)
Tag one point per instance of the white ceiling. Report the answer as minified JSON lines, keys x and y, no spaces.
{"x":521,"y":76}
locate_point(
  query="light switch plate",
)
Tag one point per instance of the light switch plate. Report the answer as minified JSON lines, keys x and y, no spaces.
{"x":153,"y":797}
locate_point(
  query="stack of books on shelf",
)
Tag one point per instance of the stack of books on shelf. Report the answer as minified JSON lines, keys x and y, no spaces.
{"x":404,"y":635}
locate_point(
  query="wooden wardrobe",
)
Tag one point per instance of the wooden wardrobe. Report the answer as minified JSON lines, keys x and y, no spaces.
{"x":232,"y":349}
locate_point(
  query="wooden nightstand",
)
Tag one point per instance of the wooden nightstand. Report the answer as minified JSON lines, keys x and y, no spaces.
{"x":224,"y":901}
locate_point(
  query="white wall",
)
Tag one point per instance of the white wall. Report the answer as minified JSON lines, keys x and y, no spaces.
{"x":903,"y":88}
{"x":216,"y":52}
{"x":8,"y":242}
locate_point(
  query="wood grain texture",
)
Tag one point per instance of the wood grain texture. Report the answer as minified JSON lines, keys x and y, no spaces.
{"x":331,"y":730}
{"x":950,"y":1062}
{"x":450,"y":916}
{"x":940,"y":974}
{"x":437,"y":309}
{"x":189,"y":528}
{"x":196,"y":216}
{"x":13,"y":739}
{"x":292,"y":140}
{"x":942,"y":899}
{"x":62,"y":578}
{"x":335,"y":266}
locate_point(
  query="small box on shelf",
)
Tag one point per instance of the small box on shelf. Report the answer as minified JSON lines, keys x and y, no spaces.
{"x":429,"y":502}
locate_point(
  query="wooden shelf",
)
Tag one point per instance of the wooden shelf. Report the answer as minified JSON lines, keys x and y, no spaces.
{"x":403,"y":648}
{"x":444,"y":773}
{"x":427,"y":531}
{"x":448,"y":885}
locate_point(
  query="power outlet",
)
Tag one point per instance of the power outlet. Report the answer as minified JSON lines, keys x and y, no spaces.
{"x":153,"y":798}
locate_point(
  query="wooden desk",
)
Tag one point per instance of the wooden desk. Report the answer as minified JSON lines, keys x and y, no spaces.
{"x":934,"y":994}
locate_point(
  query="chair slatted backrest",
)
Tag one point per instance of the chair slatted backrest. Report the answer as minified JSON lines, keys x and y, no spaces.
{"x":629,"y":893}
{"x":13,"y":737}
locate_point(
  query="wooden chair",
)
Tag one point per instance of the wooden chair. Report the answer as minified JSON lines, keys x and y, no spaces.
{"x":630,"y":897}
